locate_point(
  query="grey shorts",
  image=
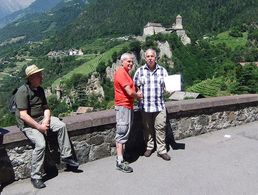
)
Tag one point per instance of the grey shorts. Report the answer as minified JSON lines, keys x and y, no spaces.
{"x":124,"y":118}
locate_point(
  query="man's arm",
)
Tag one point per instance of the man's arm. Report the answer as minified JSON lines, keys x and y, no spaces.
{"x":47,"y":115}
{"x":32,"y":123}
{"x":132,"y":93}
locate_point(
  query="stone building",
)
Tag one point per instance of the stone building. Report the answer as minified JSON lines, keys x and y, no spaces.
{"x":75,"y":52}
{"x":155,"y":28}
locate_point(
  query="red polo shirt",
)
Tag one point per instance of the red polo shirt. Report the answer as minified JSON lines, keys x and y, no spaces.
{"x":121,"y":80}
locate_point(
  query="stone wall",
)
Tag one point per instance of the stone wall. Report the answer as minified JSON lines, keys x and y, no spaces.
{"x":92,"y":134}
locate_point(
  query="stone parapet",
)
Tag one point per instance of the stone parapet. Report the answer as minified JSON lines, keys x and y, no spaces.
{"x":92,"y":134}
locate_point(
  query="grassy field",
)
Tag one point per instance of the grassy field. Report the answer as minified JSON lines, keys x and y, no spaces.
{"x":231,"y":42}
{"x":91,"y":65}
{"x":100,"y":45}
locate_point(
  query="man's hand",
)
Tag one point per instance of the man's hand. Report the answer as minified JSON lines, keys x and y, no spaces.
{"x":43,"y":128}
{"x":139,"y":94}
{"x":46,"y":121}
{"x":45,"y":125}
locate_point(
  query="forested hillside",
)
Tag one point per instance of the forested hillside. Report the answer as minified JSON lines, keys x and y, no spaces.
{"x":127,"y":17}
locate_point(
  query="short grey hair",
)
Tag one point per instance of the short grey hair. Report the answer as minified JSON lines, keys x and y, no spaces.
{"x":126,"y":56}
{"x":152,"y":51}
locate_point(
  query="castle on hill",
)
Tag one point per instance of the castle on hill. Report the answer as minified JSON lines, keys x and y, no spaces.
{"x":155,"y":28}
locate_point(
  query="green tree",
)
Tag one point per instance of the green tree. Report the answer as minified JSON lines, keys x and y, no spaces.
{"x":247,"y":77}
{"x":101,"y":68}
{"x":57,"y":107}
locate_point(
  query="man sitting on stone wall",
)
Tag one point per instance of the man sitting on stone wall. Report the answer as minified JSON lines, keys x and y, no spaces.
{"x":35,"y":120}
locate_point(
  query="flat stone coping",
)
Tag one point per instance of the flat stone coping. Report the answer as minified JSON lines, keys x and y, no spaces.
{"x":205,"y":103}
{"x":93,"y":119}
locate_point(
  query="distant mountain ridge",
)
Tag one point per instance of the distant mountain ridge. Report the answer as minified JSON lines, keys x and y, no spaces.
{"x":40,"y":25}
{"x":36,"y":6}
{"x":10,"y":6}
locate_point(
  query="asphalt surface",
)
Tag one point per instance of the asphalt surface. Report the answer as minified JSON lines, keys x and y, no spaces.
{"x":217,"y":163}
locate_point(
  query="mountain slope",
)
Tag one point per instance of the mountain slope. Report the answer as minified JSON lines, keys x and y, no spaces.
{"x":39,"y":25}
{"x":37,"y":6}
{"x":10,"y":6}
{"x":123,"y":17}
{"x":128,"y":17}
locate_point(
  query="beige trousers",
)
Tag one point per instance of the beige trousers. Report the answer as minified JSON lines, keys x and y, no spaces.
{"x":155,"y":127}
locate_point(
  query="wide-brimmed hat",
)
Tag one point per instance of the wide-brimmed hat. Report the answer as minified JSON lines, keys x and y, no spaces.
{"x":32,"y":69}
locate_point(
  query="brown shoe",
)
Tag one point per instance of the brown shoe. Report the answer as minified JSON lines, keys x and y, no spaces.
{"x":165,"y":156}
{"x":147,"y":153}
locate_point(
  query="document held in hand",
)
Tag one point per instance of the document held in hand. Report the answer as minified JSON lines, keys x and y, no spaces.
{"x":173,"y":82}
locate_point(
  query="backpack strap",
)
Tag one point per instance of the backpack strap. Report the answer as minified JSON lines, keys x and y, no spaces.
{"x":28,"y":94}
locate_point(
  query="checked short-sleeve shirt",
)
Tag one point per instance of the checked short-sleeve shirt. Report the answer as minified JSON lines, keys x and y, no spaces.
{"x":152,"y":85}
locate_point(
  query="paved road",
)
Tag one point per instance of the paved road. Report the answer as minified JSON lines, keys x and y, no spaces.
{"x":217,"y":163}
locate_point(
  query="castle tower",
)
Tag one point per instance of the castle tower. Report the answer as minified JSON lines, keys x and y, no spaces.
{"x":178,"y":25}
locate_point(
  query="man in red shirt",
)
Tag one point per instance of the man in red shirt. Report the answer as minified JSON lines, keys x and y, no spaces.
{"x":124,"y":97}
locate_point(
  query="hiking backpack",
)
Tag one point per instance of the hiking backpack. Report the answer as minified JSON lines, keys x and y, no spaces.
{"x":12,"y":103}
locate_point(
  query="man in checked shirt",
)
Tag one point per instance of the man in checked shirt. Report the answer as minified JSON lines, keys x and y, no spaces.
{"x":149,"y":78}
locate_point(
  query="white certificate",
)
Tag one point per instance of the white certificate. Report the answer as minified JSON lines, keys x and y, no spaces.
{"x":173,"y":83}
